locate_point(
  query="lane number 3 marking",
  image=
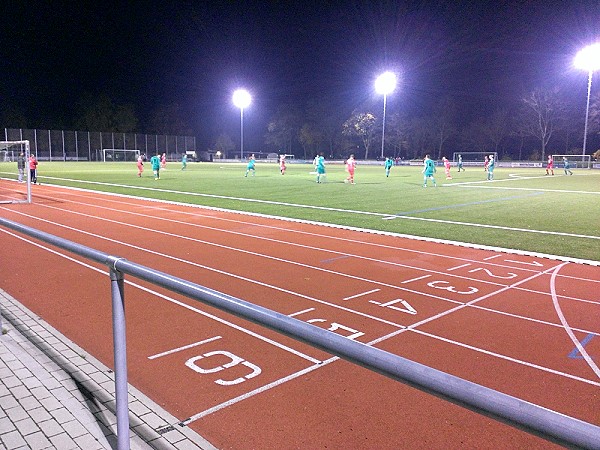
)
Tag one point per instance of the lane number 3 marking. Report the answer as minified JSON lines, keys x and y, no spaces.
{"x":448,"y":287}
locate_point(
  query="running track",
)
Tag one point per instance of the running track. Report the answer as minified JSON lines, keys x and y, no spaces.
{"x":523,"y":325}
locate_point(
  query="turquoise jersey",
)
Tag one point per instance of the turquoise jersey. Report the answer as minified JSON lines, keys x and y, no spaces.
{"x":429,"y":167}
{"x":155,"y":161}
{"x":250,"y":165}
{"x":321,"y":165}
{"x":388,"y":163}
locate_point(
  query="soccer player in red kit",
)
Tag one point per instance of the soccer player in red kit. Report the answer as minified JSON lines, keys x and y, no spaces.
{"x":550,"y":165}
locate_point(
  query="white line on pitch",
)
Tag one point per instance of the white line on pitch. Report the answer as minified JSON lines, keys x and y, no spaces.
{"x":360,"y":295}
{"x":185,"y":347}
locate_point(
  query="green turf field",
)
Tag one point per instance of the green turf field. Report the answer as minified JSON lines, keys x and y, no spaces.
{"x":522,"y":209}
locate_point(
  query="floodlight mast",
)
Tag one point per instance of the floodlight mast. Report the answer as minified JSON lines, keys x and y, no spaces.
{"x":588,"y":59}
{"x":385,"y":84}
{"x":241,"y":99}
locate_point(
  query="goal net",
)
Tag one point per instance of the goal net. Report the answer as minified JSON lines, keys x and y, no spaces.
{"x":15,"y":177}
{"x":573,"y":161}
{"x":119,"y":155}
{"x":473,"y":158}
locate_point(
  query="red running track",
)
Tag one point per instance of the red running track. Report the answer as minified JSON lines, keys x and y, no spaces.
{"x":522,"y":325}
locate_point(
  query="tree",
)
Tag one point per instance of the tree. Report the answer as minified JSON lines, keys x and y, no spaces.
{"x":13,"y":117}
{"x":362,"y":125}
{"x":224,"y":144}
{"x":102,"y":114}
{"x":542,"y":111}
{"x":309,"y":137}
{"x":497,"y":128}
{"x":169,"y":119}
{"x":283,"y":129}
{"x":443,"y":122}
{"x":419,"y":137}
{"x":397,"y":133}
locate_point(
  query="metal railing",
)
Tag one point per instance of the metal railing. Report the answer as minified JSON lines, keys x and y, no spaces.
{"x":524,"y":415}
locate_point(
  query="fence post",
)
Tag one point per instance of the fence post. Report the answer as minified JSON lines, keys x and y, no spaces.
{"x":120,"y":357}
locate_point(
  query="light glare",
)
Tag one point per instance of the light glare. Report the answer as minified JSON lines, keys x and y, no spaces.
{"x":588,"y":58}
{"x":385,"y":83}
{"x":241,"y":98}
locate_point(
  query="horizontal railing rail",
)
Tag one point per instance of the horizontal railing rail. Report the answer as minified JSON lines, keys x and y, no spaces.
{"x":535,"y":419}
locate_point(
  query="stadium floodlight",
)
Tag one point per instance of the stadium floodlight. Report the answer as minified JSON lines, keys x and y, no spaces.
{"x":242,"y":99}
{"x":385,"y":84}
{"x":588,"y":59}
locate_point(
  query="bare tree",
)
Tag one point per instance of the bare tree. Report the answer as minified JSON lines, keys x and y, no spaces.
{"x":497,"y":128}
{"x":398,"y":127}
{"x":362,"y":125}
{"x":542,"y":112}
{"x":419,"y":137}
{"x":283,"y":129}
{"x":443,"y":123}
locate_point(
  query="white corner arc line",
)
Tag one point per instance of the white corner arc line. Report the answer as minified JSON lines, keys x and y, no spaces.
{"x":566,"y":326}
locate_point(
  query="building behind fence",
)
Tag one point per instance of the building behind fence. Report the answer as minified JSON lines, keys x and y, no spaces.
{"x":63,"y":145}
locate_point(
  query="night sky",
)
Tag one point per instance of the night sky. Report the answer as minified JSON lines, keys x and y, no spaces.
{"x":483,"y":54}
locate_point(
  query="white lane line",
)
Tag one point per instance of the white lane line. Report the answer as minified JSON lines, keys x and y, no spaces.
{"x":282,"y":260}
{"x":373,"y":343}
{"x":458,"y":267}
{"x":361,"y":294}
{"x":566,"y":326}
{"x":256,"y":391}
{"x":359,"y":212}
{"x":508,"y":358}
{"x":299,"y":313}
{"x":415,"y":279}
{"x":237,"y":233}
{"x":239,"y":277}
{"x":185,"y":347}
{"x":110,"y":197}
{"x":177,"y":302}
{"x":317,"y":365}
{"x":492,"y":257}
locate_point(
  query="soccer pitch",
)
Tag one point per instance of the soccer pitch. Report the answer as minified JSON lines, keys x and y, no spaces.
{"x":521,"y":209}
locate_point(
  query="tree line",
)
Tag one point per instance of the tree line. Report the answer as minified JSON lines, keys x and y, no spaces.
{"x":542,"y":121}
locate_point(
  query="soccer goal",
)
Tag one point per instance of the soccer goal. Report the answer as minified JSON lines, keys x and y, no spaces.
{"x":15,"y":180}
{"x":575,"y":161}
{"x":473,"y":158}
{"x":119,"y":155}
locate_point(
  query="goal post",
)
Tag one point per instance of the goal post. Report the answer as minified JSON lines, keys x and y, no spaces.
{"x":574,"y":161}
{"x":120,"y":155}
{"x":15,"y":176}
{"x":473,"y":158}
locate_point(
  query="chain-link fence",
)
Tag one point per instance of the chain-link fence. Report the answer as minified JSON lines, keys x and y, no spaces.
{"x":63,"y":145}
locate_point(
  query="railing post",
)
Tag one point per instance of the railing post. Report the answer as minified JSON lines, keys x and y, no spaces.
{"x":120,"y":358}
